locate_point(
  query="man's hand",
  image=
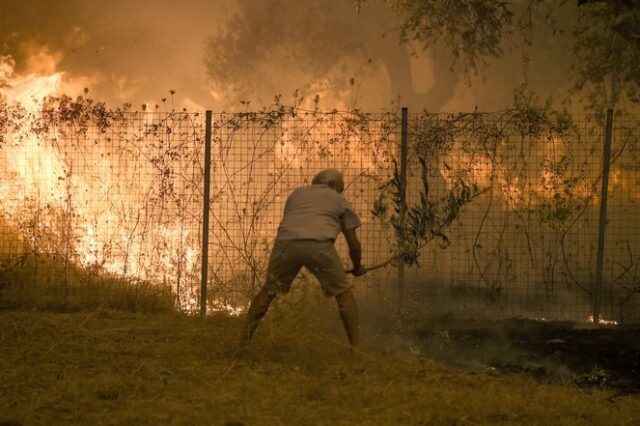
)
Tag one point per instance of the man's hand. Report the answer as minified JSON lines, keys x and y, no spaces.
{"x":357,"y":272}
{"x":354,"y":253}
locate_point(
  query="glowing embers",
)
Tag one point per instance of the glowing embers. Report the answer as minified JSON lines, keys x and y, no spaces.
{"x":601,"y":321}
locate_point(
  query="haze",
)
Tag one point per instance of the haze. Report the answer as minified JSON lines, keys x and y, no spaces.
{"x":136,"y":52}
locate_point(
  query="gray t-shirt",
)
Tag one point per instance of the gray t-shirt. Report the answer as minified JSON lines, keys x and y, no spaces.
{"x":316,"y":212}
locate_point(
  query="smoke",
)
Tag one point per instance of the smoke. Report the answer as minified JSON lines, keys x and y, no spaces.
{"x":214,"y":54}
{"x":122,"y":51}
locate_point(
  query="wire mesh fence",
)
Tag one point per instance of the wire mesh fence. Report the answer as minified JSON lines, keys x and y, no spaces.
{"x":114,"y":192}
{"x":527,"y":244}
{"x":501,"y":214}
{"x":260,"y":157}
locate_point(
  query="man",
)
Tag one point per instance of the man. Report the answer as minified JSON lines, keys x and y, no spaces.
{"x":313,"y":217}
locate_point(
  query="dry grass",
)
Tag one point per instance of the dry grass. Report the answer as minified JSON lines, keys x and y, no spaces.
{"x":50,"y":284}
{"x":113,"y":367}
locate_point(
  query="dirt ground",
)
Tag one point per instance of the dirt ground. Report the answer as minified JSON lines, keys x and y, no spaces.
{"x":583,"y":354}
{"x":112,"y":367}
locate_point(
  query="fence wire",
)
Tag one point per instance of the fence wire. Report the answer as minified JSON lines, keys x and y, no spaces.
{"x":118,"y":193}
{"x":259,"y":158}
{"x":501,"y":217}
{"x":527,"y":245}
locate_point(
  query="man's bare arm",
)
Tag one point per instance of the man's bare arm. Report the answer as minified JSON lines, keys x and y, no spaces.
{"x":355,"y":251}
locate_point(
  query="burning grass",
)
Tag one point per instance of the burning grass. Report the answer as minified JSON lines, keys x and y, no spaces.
{"x":116,"y":367}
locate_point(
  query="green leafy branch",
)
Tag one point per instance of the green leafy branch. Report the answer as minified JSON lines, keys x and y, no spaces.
{"x":417,"y":225}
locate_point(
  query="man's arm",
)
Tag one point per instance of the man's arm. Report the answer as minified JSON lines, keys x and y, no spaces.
{"x":355,"y":251}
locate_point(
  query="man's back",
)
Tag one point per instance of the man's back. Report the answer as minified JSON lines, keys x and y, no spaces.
{"x":316,"y":212}
{"x":313,"y":217}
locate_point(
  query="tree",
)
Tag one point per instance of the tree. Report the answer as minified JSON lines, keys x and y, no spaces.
{"x":472,"y":30}
{"x":275,"y":46}
{"x":607,"y":51}
{"x":605,"y":37}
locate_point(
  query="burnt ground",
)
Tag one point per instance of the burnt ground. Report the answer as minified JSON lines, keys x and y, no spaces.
{"x":584,"y":354}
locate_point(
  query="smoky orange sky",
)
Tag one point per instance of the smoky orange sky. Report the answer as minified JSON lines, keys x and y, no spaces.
{"x":221,"y":54}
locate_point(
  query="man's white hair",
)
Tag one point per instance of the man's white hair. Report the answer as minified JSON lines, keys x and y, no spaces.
{"x":328,"y":175}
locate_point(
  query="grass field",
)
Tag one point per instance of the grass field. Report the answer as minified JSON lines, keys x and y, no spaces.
{"x":106,"y":366}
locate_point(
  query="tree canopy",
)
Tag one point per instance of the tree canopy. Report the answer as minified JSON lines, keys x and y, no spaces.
{"x":472,"y":30}
{"x":605,"y":37}
{"x":599,"y":41}
{"x":276,"y":46}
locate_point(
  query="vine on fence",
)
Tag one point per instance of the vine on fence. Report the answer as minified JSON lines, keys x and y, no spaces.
{"x":529,"y":164}
{"x":103,"y":188}
{"x":277,"y":150}
{"x":416,"y":225}
{"x":527,"y":168}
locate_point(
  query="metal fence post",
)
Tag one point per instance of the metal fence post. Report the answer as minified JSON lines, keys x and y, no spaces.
{"x":205,"y":214}
{"x":404,"y":156}
{"x":606,"y":158}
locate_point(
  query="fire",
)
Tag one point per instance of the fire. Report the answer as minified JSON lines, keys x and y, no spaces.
{"x":103,"y":236}
{"x":602,"y":321}
{"x":33,"y":170}
{"x":44,"y":180}
{"x":27,"y":90}
{"x":101,"y":220}
{"x":512,"y":194}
